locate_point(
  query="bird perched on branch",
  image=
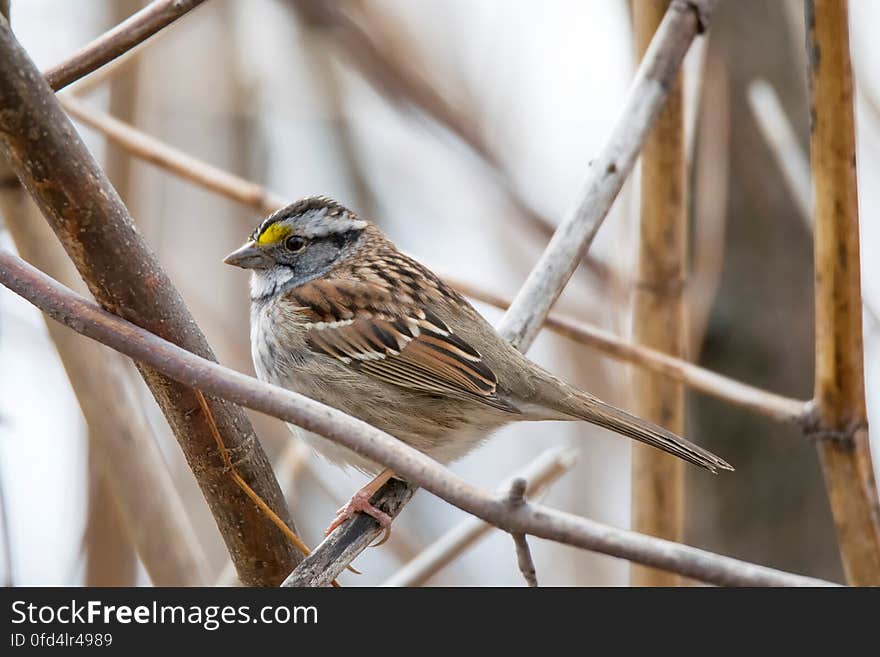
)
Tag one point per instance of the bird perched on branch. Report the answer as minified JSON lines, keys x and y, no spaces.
{"x":340,"y":315}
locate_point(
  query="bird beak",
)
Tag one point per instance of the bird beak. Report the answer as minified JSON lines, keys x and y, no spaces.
{"x":249,"y":256}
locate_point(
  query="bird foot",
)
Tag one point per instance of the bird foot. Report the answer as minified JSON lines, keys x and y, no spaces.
{"x":360,"y":502}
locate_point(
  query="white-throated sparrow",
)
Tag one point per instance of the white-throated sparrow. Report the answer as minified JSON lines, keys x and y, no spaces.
{"x":340,"y":315}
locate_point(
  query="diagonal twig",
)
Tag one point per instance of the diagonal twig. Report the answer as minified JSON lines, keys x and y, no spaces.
{"x":173,"y":159}
{"x":769,"y":404}
{"x":647,"y":94}
{"x":123,"y":37}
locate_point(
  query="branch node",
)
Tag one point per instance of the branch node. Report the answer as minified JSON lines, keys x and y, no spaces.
{"x":845,"y":437}
{"x":516,"y":495}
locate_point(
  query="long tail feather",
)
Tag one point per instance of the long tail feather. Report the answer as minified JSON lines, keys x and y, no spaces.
{"x":595,"y":411}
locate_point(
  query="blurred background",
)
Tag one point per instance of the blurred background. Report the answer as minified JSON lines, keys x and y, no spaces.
{"x":464,"y":129}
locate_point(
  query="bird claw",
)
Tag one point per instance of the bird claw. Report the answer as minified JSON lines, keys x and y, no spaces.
{"x":360,"y":503}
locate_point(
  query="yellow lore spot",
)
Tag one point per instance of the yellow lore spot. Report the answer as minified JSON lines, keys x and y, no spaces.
{"x":273,"y":233}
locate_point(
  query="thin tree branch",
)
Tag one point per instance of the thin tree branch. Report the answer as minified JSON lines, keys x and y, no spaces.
{"x":515,"y":499}
{"x":647,"y":95}
{"x":709,"y":167}
{"x":779,"y":134}
{"x":174,"y":160}
{"x":549,"y":466}
{"x":124,"y":96}
{"x":841,"y":417}
{"x":769,"y":404}
{"x":263,"y":200}
{"x":99,"y":235}
{"x":129,"y":33}
{"x":196,"y":372}
{"x":659,"y":311}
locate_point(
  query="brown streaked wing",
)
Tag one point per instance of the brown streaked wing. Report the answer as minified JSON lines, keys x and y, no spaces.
{"x":400,"y":344}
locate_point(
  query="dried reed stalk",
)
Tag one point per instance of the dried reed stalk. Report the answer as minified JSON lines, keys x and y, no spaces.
{"x":659,"y":314}
{"x":841,"y":425}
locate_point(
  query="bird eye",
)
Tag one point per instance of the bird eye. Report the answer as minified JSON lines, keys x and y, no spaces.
{"x":295,"y":244}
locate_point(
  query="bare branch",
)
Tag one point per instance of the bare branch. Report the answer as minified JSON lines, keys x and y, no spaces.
{"x":174,"y":160}
{"x":99,"y":235}
{"x":193,"y":371}
{"x":128,"y":454}
{"x":841,"y":417}
{"x":647,"y":94}
{"x":549,"y":466}
{"x":137,"y":28}
{"x":783,"y":142}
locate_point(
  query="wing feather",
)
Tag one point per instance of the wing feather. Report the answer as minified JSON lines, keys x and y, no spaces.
{"x":403,"y":344}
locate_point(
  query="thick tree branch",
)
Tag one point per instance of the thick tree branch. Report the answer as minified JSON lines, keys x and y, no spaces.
{"x":122,"y":273}
{"x":841,"y":417}
{"x":129,"y":33}
{"x":199,"y":373}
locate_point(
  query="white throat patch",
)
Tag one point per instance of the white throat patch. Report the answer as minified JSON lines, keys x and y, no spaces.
{"x":265,"y":282}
